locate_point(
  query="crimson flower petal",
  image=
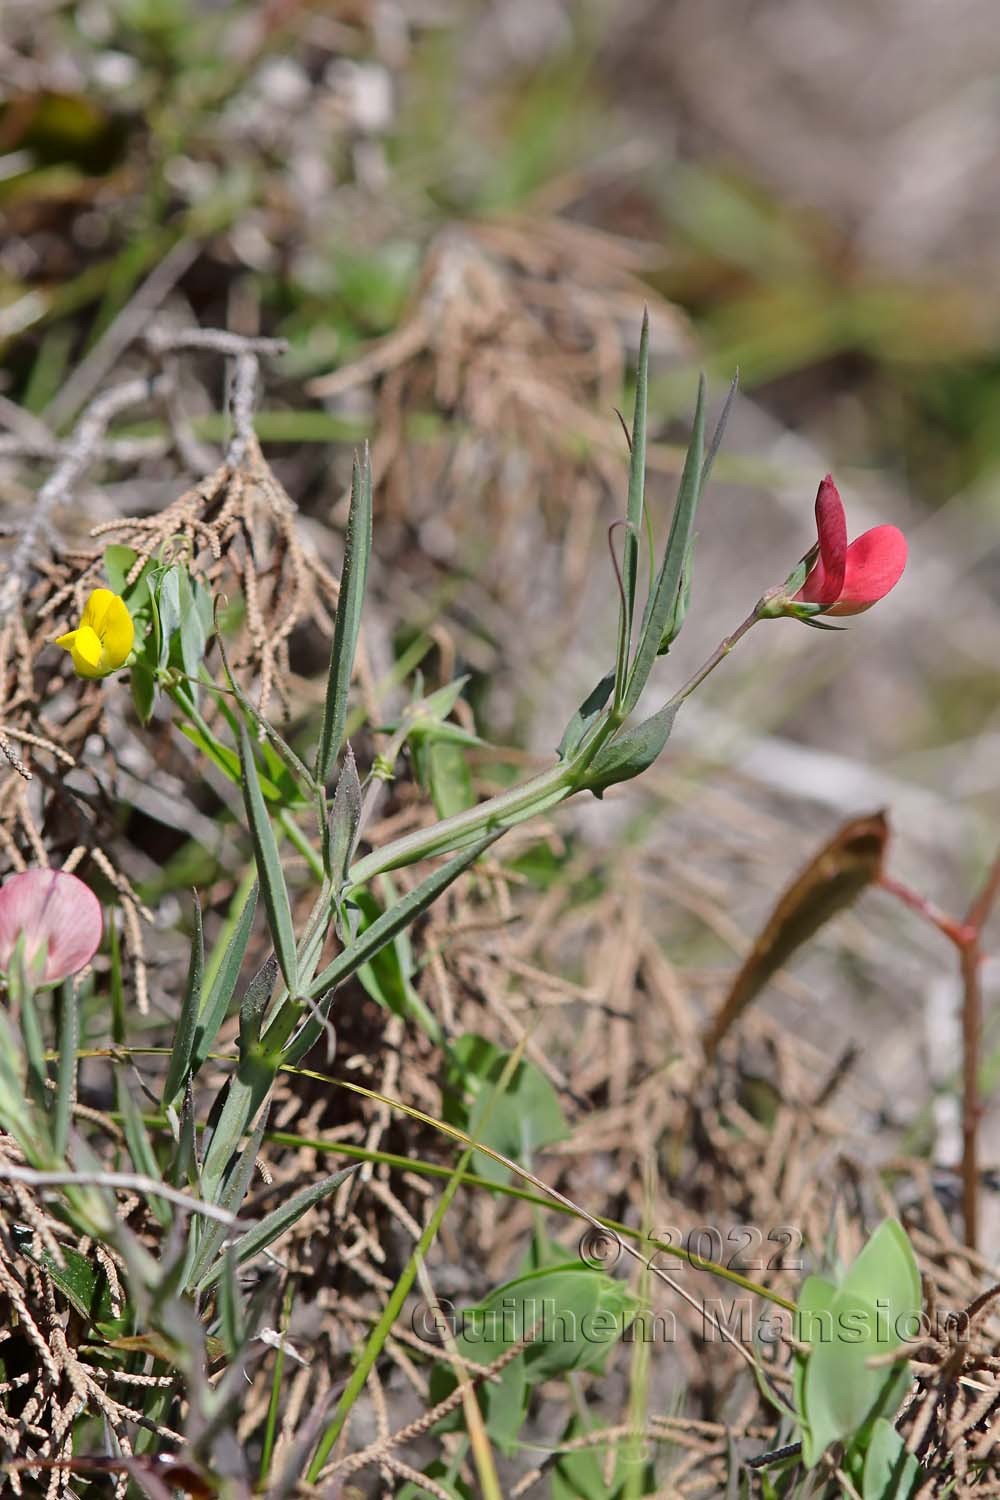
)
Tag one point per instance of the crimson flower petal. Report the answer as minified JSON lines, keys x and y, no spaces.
{"x":875,"y":563}
{"x":826,"y":580}
{"x":57,"y":914}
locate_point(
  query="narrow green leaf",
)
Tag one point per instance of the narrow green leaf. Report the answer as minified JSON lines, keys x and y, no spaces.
{"x":231,"y":1197}
{"x":244,"y":1094}
{"x":586,"y":715}
{"x":382,"y":931}
{"x":357,"y":550}
{"x":399,"y":916}
{"x":345,"y":820}
{"x":232,"y":1316}
{"x":275,"y":892}
{"x":278,"y":1221}
{"x":69,"y":1041}
{"x":180,"y":1057}
{"x":218,"y":999}
{"x":632,"y":752}
{"x":715,"y":441}
{"x":252,"y":1006}
{"x":184,"y":1167}
{"x":661,"y":603}
{"x":141,"y":1148}
{"x":636,"y":477}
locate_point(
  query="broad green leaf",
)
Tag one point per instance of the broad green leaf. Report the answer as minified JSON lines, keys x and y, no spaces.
{"x":168,"y":609}
{"x":585,"y":717}
{"x":631,"y":753}
{"x":269,"y":872}
{"x":449,"y":779}
{"x":274,"y":1224}
{"x":195,"y":624}
{"x":518,"y":1120}
{"x":143,"y":685}
{"x":217,"y":1001}
{"x":890,"y":1471}
{"x":577,"y":1316}
{"x":180,"y":1057}
{"x":353,"y":578}
{"x":118,"y":563}
{"x":885,"y":1273}
{"x":81,"y":1280}
{"x":841,"y":1391}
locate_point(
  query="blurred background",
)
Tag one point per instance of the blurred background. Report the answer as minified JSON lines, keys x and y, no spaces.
{"x":454,"y":212}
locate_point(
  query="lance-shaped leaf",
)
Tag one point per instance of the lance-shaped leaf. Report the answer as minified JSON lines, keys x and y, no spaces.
{"x":141,"y":1148}
{"x":69,"y":1042}
{"x":666,"y":605}
{"x":357,"y":550}
{"x":636,"y":477}
{"x":632,"y":752}
{"x":180,"y":1058}
{"x":277,"y":1222}
{"x":252,"y":1006}
{"x":345,"y":820}
{"x":585,"y":717}
{"x":272,"y":881}
{"x":382,"y":931}
{"x":661,"y":604}
{"x":217,"y":1001}
{"x":231,"y":1198}
{"x":399,"y":916}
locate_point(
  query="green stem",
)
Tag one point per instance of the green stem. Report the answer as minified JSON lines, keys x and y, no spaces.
{"x":510,"y":807}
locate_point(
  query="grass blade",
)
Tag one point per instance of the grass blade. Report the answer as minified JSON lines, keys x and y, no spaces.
{"x":357,"y":550}
{"x":269,"y":873}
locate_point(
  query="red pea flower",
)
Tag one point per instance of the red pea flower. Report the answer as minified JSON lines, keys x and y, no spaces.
{"x":848,"y":579}
{"x":59,"y":918}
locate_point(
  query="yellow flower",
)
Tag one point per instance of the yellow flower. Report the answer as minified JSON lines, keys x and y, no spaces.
{"x":102,"y":641}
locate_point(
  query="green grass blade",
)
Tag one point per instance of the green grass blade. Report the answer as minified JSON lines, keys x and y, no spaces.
{"x":357,"y":550}
{"x":180,"y":1057}
{"x":269,"y":873}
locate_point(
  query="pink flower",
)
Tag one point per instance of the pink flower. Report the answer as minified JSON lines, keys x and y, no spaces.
{"x":847,"y":579}
{"x":60,"y":918}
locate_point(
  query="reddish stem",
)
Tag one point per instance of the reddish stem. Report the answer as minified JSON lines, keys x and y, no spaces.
{"x":966,"y":936}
